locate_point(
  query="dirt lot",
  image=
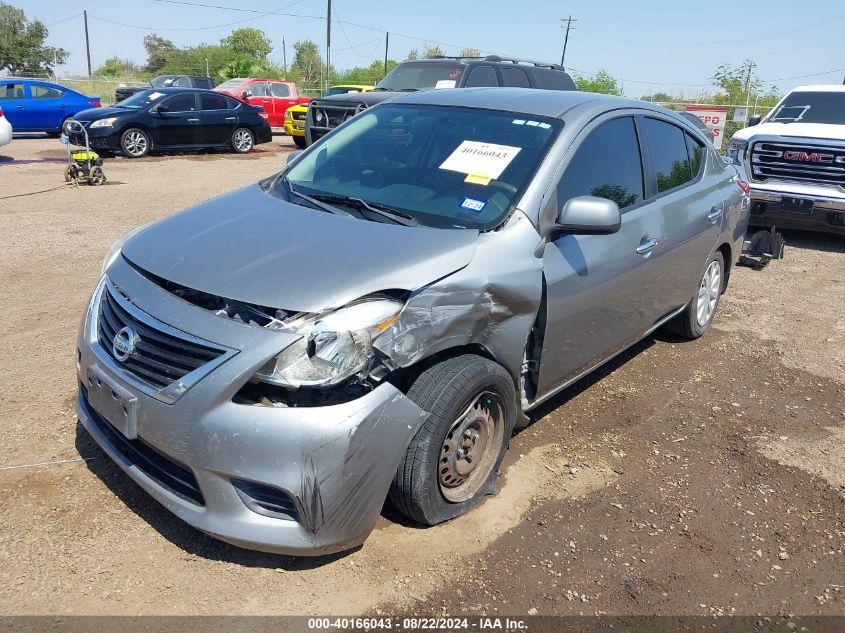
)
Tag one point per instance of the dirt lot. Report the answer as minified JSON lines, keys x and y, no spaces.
{"x":685,"y":478}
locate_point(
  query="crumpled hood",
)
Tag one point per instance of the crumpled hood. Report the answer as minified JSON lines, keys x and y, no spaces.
{"x":256,"y":247}
{"x":801,"y":130}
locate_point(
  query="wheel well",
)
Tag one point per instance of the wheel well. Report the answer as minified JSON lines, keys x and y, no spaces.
{"x":725,"y":249}
{"x":404,"y":377}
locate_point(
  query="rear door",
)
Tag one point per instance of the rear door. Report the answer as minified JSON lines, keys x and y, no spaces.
{"x":218,"y":118}
{"x":600,"y":288}
{"x":47,"y":106}
{"x":260,"y":96}
{"x":180,"y":124}
{"x":690,"y":204}
{"x":15,"y":104}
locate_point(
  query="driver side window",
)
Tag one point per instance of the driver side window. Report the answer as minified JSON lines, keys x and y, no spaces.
{"x":607,"y":164}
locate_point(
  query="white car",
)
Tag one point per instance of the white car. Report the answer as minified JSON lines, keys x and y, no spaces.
{"x":5,"y":130}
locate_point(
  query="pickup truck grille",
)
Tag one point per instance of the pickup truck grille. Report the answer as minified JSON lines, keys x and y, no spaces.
{"x":298,"y":116}
{"x":802,"y":162}
{"x":324,"y":117}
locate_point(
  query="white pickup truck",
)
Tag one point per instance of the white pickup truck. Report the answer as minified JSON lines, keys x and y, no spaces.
{"x":794,"y":160}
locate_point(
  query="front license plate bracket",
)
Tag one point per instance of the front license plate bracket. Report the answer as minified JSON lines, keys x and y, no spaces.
{"x":797,"y":205}
{"x":113,"y":402}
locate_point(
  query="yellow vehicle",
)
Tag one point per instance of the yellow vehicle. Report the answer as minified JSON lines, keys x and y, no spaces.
{"x":295,"y":115}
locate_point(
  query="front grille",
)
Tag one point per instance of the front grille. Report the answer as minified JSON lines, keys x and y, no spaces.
{"x":159,"y":358}
{"x":167,"y":473}
{"x":324,"y":117}
{"x":298,"y":116}
{"x":804,"y":162}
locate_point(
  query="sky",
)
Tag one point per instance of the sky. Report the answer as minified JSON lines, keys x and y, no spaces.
{"x":651,"y":45}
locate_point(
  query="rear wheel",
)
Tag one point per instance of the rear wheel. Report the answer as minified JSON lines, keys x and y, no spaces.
{"x":97,"y":176}
{"x":242,"y":140}
{"x":135,"y":143}
{"x":299,"y":141}
{"x":697,"y":317}
{"x":454,"y":459}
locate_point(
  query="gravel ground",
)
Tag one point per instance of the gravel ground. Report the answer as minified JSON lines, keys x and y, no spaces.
{"x":684,"y":478}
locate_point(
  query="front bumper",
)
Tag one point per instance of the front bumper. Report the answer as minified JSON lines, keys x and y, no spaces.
{"x":333,"y":463}
{"x":295,"y":128}
{"x":98,"y":138}
{"x":768,"y":209}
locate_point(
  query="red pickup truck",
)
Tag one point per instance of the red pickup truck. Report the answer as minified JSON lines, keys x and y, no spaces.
{"x":274,"y":95}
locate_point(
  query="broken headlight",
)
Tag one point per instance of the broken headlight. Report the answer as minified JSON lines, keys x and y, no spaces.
{"x":333,"y":347}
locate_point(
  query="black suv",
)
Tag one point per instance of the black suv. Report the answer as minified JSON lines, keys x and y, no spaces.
{"x":440,"y":72}
{"x":165,"y":81}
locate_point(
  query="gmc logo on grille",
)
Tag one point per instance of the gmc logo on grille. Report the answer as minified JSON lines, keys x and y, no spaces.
{"x":807,"y":157}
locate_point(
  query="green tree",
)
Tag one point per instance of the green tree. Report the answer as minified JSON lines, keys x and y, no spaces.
{"x":602,"y":82}
{"x":658,"y":97}
{"x":247,"y":42}
{"x":22,"y":49}
{"x":470,"y":52}
{"x":307,"y":62}
{"x":116,"y":67}
{"x":159,"y":49}
{"x":367,"y":75}
{"x":412,"y":55}
{"x":432,"y":51}
{"x":736,"y":82}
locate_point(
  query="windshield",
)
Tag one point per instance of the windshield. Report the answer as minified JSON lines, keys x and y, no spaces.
{"x":422,"y":75}
{"x":232,"y":85}
{"x":141,"y":100}
{"x":445,"y":167}
{"x":162,"y":82}
{"x":812,"y":107}
{"x":341,"y":90}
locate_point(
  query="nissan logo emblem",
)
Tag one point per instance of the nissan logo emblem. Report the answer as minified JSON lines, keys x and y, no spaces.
{"x":123,"y":345}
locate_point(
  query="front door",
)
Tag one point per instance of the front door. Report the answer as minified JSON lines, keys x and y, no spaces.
{"x":600,"y":288}
{"x":282,"y":100}
{"x":260,"y":96}
{"x":179,"y":123}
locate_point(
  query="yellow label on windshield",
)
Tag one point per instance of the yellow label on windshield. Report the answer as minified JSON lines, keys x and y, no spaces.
{"x":478,"y":179}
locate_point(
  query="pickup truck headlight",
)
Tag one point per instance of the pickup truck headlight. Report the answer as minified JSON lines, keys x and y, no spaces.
{"x":736,"y":151}
{"x":109,"y":122}
{"x":288,"y":115}
{"x":333,"y":347}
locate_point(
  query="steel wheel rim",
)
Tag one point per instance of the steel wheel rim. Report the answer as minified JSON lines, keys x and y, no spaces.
{"x":135,"y":143}
{"x":708,"y":293}
{"x":243,"y":141}
{"x":471,"y":448}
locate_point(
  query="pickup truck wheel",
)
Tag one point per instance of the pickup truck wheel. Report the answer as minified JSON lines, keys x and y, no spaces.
{"x":242,"y":140}
{"x":299,"y":141}
{"x":453,"y":461}
{"x":697,"y":317}
{"x":134,"y":143}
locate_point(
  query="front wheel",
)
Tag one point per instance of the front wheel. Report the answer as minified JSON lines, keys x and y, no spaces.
{"x":454,"y":459}
{"x":299,"y":141}
{"x":97,"y":177}
{"x":242,"y":140}
{"x":697,"y":317}
{"x":135,"y":143}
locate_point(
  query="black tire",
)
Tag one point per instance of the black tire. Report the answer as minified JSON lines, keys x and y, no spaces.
{"x":299,"y":141}
{"x":447,"y":390}
{"x":135,"y":143}
{"x":687,"y":324}
{"x":97,"y":177}
{"x":71,"y":173}
{"x":242,"y":141}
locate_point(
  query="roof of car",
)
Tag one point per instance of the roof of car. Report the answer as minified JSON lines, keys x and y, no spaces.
{"x":169,"y":89}
{"x":820,"y":88}
{"x":548,"y":103}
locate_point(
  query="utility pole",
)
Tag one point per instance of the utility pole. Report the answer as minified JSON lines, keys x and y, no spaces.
{"x":386,"y":44}
{"x":284,"y":56}
{"x":751,"y":65}
{"x":328,"y":43}
{"x":87,"y":45}
{"x":569,"y":26}
{"x":207,"y":73}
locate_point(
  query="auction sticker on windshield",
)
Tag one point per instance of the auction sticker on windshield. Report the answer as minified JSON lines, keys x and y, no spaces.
{"x":481,"y":159}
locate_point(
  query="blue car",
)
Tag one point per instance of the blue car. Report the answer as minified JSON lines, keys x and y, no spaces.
{"x":41,"y":106}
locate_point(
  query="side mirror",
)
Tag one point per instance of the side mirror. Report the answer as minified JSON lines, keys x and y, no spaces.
{"x":246,"y":94}
{"x":588,"y":215}
{"x":162,"y":109}
{"x":755,"y":120}
{"x":293,"y":156}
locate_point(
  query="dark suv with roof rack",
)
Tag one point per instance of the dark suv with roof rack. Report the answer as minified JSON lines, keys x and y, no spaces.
{"x":440,"y":72}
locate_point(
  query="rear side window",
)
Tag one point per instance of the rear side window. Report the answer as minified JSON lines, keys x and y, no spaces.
{"x":259,"y":89}
{"x":211,"y":101}
{"x":515,"y":77}
{"x":607,"y":164}
{"x":552,"y":79}
{"x":481,"y":76}
{"x":45,"y":92}
{"x":279,"y":89}
{"x":695,"y":150}
{"x":12,"y":91}
{"x":181,"y":82}
{"x":669,"y":154}
{"x":181,"y":103}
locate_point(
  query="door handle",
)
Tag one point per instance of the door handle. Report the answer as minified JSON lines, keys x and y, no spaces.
{"x":714,"y":215}
{"x":231,"y":118}
{"x":193,"y":120}
{"x":646,"y":246}
{"x":20,"y":107}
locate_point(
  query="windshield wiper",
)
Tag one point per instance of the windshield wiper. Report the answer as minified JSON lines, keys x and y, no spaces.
{"x":385,"y":211}
{"x":318,"y":202}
